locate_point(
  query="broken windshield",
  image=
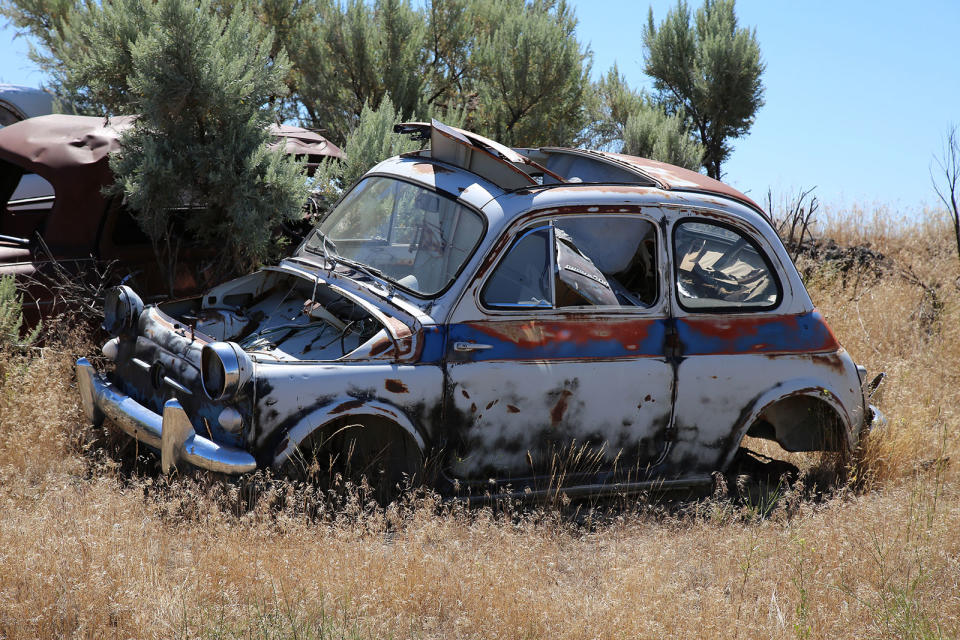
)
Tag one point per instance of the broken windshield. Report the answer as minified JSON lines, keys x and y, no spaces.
{"x":406,"y":234}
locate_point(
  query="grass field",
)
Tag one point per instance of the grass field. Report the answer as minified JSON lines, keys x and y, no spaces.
{"x":91,"y":548}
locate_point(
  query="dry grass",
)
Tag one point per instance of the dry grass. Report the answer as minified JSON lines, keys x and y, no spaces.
{"x":91,"y":550}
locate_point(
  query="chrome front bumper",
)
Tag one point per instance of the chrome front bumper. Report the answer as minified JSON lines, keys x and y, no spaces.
{"x":172,"y":433}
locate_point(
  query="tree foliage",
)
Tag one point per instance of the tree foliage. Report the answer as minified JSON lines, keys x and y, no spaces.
{"x":651,"y":133}
{"x":11,"y":316}
{"x":629,"y":121}
{"x":531,"y":74}
{"x":513,"y":70}
{"x":206,"y":80}
{"x":370,"y":142}
{"x":709,"y":70}
{"x":195,"y":163}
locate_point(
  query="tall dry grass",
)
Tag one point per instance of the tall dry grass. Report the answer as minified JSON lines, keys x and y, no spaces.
{"x":92,"y":549}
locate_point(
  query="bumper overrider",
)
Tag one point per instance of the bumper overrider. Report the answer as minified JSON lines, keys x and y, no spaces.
{"x":172,"y":433}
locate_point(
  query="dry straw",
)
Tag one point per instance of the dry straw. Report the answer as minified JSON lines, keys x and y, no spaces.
{"x":92,"y":547}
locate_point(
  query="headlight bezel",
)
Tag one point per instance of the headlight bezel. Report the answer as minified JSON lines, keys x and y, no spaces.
{"x":121,"y":310}
{"x":225,"y":368}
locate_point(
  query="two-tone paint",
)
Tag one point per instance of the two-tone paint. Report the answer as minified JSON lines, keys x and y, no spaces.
{"x":628,"y":395}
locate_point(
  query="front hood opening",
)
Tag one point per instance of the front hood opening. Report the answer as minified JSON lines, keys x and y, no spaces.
{"x":275,"y":315}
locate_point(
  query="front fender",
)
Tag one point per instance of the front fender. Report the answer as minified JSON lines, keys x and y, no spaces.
{"x":344,"y":407}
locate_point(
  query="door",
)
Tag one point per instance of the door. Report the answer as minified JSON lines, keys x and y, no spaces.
{"x":555,"y":365}
{"x":737,"y":335}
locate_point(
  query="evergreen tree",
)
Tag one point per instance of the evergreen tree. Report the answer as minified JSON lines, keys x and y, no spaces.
{"x":206,"y":79}
{"x":613,"y":103}
{"x":709,"y":70}
{"x":626,"y":120}
{"x":651,"y":133}
{"x":83,"y":47}
{"x":531,"y":75}
{"x":195,"y":163}
{"x":370,"y":142}
{"x":361,"y":53}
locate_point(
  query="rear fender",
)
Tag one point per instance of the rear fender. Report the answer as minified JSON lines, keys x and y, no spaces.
{"x":801,"y":387}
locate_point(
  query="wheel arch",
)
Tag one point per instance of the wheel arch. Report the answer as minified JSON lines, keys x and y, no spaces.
{"x":799,"y":415}
{"x":334,"y":412}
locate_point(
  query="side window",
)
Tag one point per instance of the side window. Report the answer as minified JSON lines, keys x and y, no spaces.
{"x":717,"y":267}
{"x":606,"y":260}
{"x":522,"y":278}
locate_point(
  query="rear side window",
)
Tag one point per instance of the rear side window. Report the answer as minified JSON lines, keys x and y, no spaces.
{"x":719,"y":268}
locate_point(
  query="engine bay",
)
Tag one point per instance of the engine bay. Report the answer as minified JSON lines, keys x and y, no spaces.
{"x":283,"y":317}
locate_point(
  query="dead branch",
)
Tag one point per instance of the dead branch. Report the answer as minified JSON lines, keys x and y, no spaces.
{"x":948,"y":165}
{"x":793,"y":225}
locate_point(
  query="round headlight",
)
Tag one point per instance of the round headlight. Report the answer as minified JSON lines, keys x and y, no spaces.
{"x":224,"y":369}
{"x":121,"y":309}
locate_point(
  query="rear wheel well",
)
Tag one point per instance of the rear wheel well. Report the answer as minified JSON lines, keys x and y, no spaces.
{"x":801,"y":422}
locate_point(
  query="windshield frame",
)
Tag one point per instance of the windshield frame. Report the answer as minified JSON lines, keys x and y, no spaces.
{"x":318,"y":257}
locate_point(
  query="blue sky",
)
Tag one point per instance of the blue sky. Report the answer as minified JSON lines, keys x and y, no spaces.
{"x":858,"y":94}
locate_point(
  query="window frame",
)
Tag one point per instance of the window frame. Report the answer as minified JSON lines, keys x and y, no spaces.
{"x":299,"y":252}
{"x":551,"y":260}
{"x":549,"y":216}
{"x":748,"y":235}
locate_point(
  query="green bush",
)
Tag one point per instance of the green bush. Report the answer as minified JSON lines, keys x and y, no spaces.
{"x":11,"y":316}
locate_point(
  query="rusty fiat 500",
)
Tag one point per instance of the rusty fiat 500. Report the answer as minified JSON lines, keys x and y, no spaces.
{"x":477,"y":316}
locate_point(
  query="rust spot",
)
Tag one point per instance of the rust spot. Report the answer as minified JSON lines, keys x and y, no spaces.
{"x":491,"y":403}
{"x":380,"y":347}
{"x":423,"y":167}
{"x":647,"y":398}
{"x":556,"y":414}
{"x":465,"y":394}
{"x":473,"y":407}
{"x":832,"y":361}
{"x":395,"y":386}
{"x":640,"y":405}
{"x":346,"y":406}
{"x":513,"y":409}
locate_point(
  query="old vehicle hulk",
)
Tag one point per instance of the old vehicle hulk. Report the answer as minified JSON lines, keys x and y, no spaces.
{"x":492,"y":319}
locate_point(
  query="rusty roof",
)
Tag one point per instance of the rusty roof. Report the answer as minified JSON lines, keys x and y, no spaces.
{"x":70,"y":152}
{"x":304,"y":142}
{"x":532,"y":166}
{"x":677,"y":178}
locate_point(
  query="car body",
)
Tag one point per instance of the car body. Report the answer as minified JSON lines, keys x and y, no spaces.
{"x":19,"y":103}
{"x":509,"y":320}
{"x":53,"y":172}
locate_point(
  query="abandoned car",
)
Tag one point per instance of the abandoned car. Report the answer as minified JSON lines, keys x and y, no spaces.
{"x":53,"y":170}
{"x":489,"y":320}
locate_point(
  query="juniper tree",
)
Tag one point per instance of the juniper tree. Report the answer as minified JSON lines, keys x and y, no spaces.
{"x":623,"y":119}
{"x":194,"y":167}
{"x":83,"y":47}
{"x":361,"y":52}
{"x":532,"y":75}
{"x":651,"y":133}
{"x":709,"y":70}
{"x":371,"y":141}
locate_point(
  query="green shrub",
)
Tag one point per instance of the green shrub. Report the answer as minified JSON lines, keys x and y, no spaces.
{"x":11,"y":316}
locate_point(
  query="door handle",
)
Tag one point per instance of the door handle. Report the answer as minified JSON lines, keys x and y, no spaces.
{"x":466,"y":347}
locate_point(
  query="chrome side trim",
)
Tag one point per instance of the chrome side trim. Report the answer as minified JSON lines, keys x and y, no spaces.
{"x":172,"y":433}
